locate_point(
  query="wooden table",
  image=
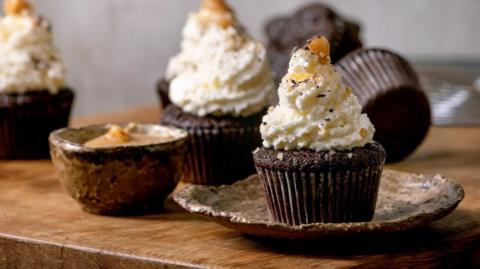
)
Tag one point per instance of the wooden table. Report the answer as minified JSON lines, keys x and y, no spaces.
{"x":41,"y":227}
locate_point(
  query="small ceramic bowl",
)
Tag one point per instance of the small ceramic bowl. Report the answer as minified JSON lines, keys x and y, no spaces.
{"x":123,"y":180}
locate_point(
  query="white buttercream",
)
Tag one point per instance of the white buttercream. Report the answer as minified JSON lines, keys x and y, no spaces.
{"x":28,"y":59}
{"x":316,"y":110}
{"x":220,"y":70}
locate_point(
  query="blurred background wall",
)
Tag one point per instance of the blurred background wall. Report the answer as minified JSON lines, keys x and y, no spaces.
{"x":115,"y":50}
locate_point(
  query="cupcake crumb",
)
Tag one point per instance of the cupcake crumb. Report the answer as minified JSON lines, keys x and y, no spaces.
{"x":280,"y":156}
{"x":350,"y":155}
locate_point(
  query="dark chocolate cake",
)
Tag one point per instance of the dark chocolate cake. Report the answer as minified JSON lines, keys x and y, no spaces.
{"x":287,"y":32}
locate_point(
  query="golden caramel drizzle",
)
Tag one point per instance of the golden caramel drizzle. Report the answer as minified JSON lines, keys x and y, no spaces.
{"x":17,"y":7}
{"x":320,"y":46}
{"x":301,"y":76}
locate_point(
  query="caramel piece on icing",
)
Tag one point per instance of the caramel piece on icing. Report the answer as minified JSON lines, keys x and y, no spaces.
{"x":363,"y":133}
{"x":17,"y":7}
{"x":319,"y":45}
{"x":216,"y":6}
{"x":348,"y":92}
{"x":222,"y":13}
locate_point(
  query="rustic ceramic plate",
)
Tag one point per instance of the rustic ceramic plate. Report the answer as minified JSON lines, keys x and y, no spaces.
{"x":405,"y":201}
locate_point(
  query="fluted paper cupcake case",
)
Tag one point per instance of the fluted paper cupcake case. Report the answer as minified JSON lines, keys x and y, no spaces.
{"x":217,"y":154}
{"x":324,"y":195}
{"x":390,"y":92}
{"x":369,"y":71}
{"x":218,"y":157}
{"x":26,"y":121}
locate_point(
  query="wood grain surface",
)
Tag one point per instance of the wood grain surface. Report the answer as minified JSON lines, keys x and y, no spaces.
{"x":41,"y":227}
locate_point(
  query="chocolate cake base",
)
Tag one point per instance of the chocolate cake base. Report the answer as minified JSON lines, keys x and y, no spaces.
{"x":27,"y":119}
{"x":304,"y":186}
{"x":163,"y":89}
{"x":219,"y":148}
{"x":287,"y":32}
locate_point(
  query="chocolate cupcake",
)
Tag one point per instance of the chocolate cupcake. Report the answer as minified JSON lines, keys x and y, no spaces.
{"x":33,"y":97}
{"x":319,"y":162}
{"x":288,"y":32}
{"x":390,"y":92}
{"x":220,"y":147}
{"x":219,"y":86}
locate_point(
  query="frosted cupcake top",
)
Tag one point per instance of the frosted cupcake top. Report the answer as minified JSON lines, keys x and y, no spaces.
{"x":28,"y":59}
{"x":316,"y":110}
{"x":220,"y":70}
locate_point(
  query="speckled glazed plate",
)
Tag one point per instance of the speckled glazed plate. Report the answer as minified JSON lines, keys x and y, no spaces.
{"x":405,"y":201}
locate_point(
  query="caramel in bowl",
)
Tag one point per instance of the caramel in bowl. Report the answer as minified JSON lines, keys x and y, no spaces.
{"x":125,"y":175}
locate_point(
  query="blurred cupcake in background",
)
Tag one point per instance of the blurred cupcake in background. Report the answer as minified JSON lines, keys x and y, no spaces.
{"x":33,"y":98}
{"x":219,"y":85}
{"x":284,"y":33}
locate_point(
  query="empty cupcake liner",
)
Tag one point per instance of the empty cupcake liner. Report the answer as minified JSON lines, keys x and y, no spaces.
{"x":296,"y":197}
{"x":390,"y":92}
{"x":221,"y":156}
{"x":26,"y":121}
{"x":370,"y":71}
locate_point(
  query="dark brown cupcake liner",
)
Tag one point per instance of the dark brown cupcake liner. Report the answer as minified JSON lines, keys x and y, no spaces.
{"x":218,"y":157}
{"x":298,"y":198}
{"x":26,"y":121}
{"x":371,"y":71}
{"x":390,"y":92}
{"x":218,"y":153}
{"x":334,"y":193}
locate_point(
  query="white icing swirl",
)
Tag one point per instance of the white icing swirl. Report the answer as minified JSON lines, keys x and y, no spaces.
{"x":316,"y":110}
{"x":28,"y":59}
{"x":220,"y":70}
